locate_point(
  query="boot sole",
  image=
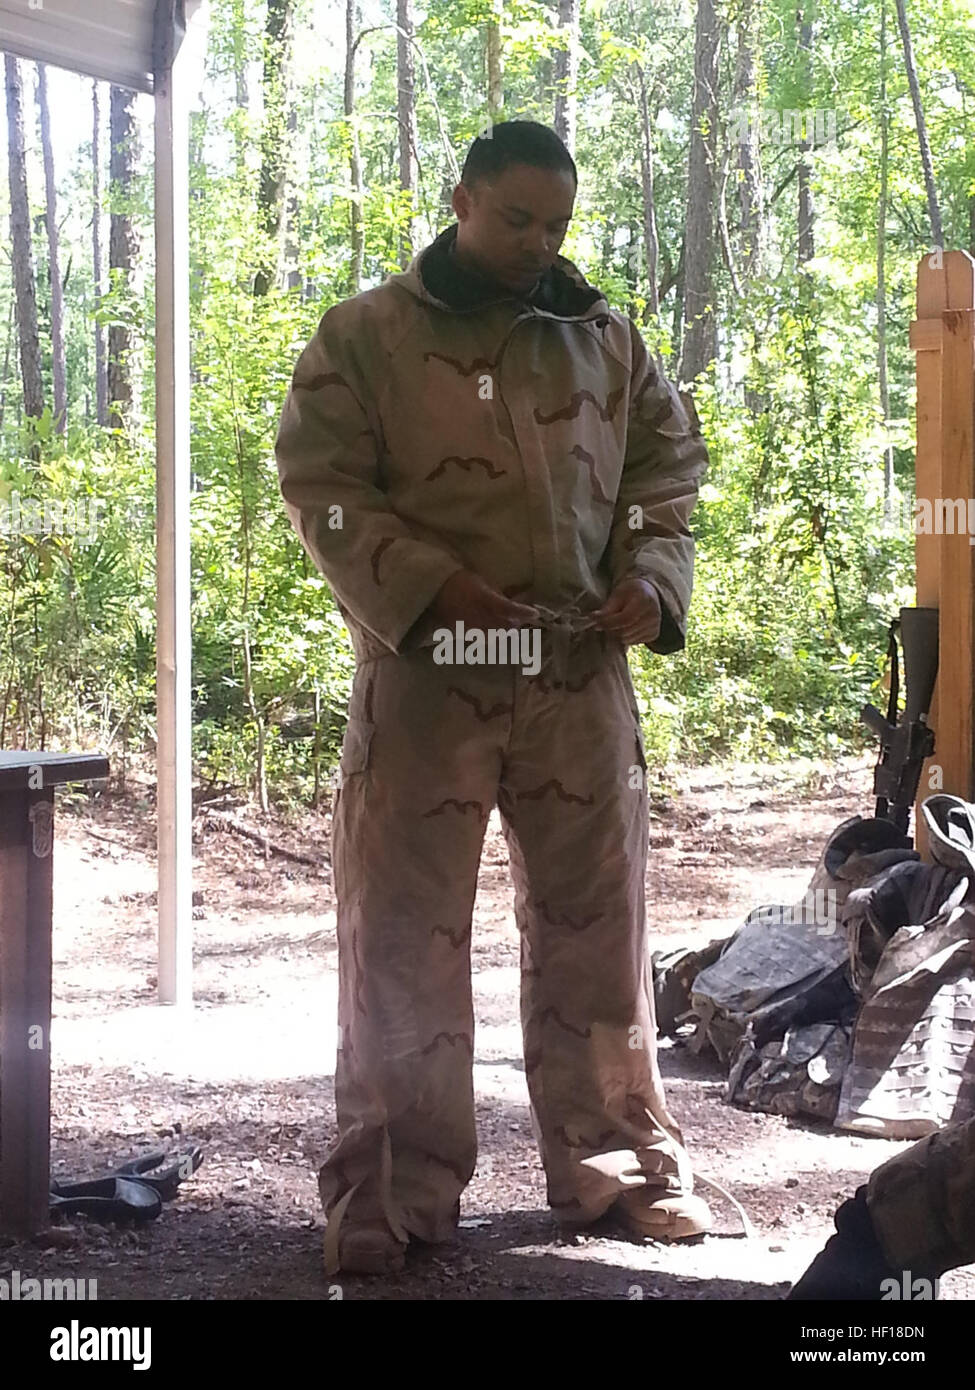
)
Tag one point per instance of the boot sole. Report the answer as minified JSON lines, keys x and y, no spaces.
{"x":682,"y":1228}
{"x":358,"y":1255}
{"x":658,"y":1223}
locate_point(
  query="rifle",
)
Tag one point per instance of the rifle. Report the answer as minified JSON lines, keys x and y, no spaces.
{"x":905,"y":740}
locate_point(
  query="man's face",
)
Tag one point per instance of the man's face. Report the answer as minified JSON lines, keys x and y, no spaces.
{"x":511,"y":227}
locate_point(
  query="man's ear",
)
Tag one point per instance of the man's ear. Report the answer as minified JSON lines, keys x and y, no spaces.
{"x":461,"y":202}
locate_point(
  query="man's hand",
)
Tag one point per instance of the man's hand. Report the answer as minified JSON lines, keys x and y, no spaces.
{"x":468,"y":599}
{"x":632,"y":612}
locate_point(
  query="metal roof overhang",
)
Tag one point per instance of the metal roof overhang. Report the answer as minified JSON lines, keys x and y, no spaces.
{"x":121,"y":41}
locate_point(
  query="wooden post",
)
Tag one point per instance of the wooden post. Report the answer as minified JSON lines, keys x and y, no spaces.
{"x":27,"y":782}
{"x":25,"y":1018}
{"x":943,"y":335}
{"x":173,"y":643}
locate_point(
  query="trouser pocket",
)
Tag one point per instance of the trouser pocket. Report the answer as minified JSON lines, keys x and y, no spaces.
{"x":356,"y":747}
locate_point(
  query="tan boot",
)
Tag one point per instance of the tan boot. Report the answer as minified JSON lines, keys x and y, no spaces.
{"x":663,"y":1215}
{"x":369,"y":1247}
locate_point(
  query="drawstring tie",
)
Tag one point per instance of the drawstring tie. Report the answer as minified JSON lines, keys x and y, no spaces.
{"x":562,"y":631}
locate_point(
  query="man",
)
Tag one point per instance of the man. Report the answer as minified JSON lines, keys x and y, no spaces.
{"x":913,"y":1221}
{"x":482,"y":445}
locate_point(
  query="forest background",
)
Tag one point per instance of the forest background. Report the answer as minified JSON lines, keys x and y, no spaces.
{"x":758,"y":180}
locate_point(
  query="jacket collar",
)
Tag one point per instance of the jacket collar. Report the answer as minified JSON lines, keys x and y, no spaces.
{"x":436,"y":277}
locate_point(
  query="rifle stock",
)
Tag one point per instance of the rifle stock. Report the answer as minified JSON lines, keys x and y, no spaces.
{"x":906,"y":739}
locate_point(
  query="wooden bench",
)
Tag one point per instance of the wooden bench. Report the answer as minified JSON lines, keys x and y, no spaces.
{"x":27,"y":782}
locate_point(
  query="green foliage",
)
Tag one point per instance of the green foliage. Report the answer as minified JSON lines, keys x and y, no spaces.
{"x":797,"y":573}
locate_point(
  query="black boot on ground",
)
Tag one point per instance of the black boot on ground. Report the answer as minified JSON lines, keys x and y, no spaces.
{"x":851,"y":1267}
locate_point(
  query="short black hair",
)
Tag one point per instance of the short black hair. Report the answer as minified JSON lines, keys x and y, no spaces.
{"x":515,"y":142}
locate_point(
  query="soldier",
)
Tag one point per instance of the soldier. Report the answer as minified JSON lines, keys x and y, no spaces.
{"x":482,"y":445}
{"x":915,"y":1218}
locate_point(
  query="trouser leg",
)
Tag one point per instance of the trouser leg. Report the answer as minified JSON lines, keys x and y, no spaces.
{"x":574,"y":810}
{"x":922,"y":1203}
{"x":419,"y":773}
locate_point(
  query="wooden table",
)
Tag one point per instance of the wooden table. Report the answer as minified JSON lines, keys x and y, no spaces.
{"x":27,"y":782}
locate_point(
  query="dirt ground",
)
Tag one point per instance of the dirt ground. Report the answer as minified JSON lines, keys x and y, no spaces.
{"x":248,"y":1071}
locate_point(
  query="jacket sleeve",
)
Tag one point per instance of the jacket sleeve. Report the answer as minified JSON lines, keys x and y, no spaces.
{"x":328,"y":456}
{"x":664,"y":463}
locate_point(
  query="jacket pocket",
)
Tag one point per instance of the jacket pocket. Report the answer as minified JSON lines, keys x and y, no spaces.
{"x":629,"y":697}
{"x":641,"y":752}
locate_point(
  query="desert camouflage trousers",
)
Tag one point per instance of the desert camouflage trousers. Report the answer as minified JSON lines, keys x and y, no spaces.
{"x":429,"y":751}
{"x":922,"y":1202}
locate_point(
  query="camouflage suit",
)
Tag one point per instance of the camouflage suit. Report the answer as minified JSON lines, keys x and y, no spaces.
{"x":439,"y":423}
{"x":922,"y":1202}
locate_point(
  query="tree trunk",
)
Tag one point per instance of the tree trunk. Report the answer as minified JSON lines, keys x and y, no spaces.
{"x":807,"y":245}
{"x":357,"y":238}
{"x":22,"y":252}
{"x":123,"y":251}
{"x":292,"y":238}
{"x":632,"y":278}
{"x":678,"y":320}
{"x":101,"y":365}
{"x":934,"y":211}
{"x":238,"y":20}
{"x":751,"y":218}
{"x":260,"y":752}
{"x":54,"y":261}
{"x":316,"y":752}
{"x":406,"y":119}
{"x":881,"y":269}
{"x":727,"y":252}
{"x":651,"y":240}
{"x":446,"y":193}
{"x":11,"y":323}
{"x":751,"y":203}
{"x":566,"y":70}
{"x":247,"y":548}
{"x":699,"y":337}
{"x":495,"y":82}
{"x":275,"y":146}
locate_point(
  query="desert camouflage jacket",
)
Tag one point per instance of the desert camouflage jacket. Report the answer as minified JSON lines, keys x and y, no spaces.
{"x":440,"y":421}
